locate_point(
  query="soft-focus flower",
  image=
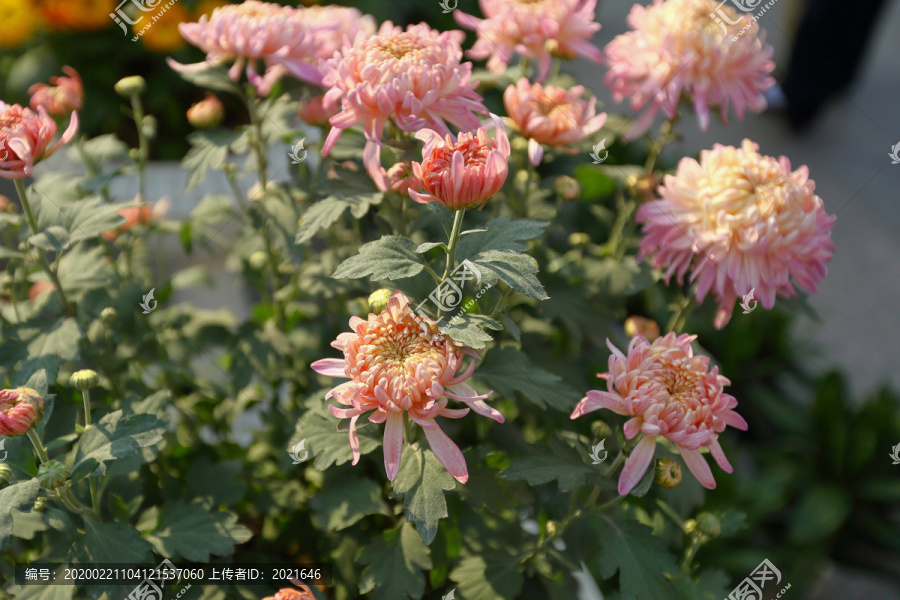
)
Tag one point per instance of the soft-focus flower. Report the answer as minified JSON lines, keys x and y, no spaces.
{"x":535,"y":29}
{"x":18,"y":21}
{"x":551,"y":115}
{"x":413,"y":77}
{"x":677,"y":49}
{"x":25,"y":137}
{"x":463,"y":172}
{"x":20,"y":409}
{"x":65,"y":95}
{"x":137,"y":214}
{"x":398,"y":362}
{"x":304,"y":593}
{"x":39,"y":287}
{"x":401,"y":178}
{"x":334,"y":24}
{"x":288,"y":40}
{"x":647,"y":328}
{"x":668,"y":392}
{"x":739,"y":221}
{"x":130,"y":86}
{"x":206,"y":113}
{"x":165,"y":35}
{"x":313,"y":111}
{"x":84,"y":15}
{"x":567,"y":187}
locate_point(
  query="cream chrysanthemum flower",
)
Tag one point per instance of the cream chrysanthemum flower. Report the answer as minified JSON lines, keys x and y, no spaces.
{"x":740,"y":221}
{"x":399,"y":364}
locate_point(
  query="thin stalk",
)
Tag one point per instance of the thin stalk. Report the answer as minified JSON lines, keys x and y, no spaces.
{"x":38,"y":445}
{"x":453,"y":242}
{"x":72,"y":503}
{"x":678,"y":320}
{"x":137,"y":110}
{"x":92,"y":481}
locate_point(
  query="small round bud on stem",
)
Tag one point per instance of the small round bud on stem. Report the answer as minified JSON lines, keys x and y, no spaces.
{"x":568,"y":188}
{"x":378,"y":300}
{"x":708,"y":524}
{"x":207,"y":113}
{"x":600,"y":430}
{"x":108,"y":315}
{"x":668,"y":473}
{"x":690,"y":526}
{"x":130,"y":86}
{"x":579,"y":239}
{"x":258,"y":260}
{"x":84,"y":379}
{"x":52,"y":475}
{"x":6,"y":474}
{"x":641,"y":326}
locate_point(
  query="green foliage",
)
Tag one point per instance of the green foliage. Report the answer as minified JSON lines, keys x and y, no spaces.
{"x":391,"y":257}
{"x":395,"y":564}
{"x":421,"y":482}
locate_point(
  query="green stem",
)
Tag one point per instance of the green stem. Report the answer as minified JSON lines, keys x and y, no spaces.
{"x":689,"y":555}
{"x":38,"y":445}
{"x":678,"y":320}
{"x":143,"y":145}
{"x":657,"y":146}
{"x":33,"y":226}
{"x":623,"y":214}
{"x":618,"y":462}
{"x":453,"y":242}
{"x":92,"y":481}
{"x":611,"y":503}
{"x":72,"y":503}
{"x":670,"y":512}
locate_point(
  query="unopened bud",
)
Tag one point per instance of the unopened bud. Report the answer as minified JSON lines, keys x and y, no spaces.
{"x":378,"y":300}
{"x":579,"y":239}
{"x":6,"y":474}
{"x":641,"y":326}
{"x":600,"y":430}
{"x":20,"y":410}
{"x":551,"y":528}
{"x":149,"y":125}
{"x":108,"y":315}
{"x":568,"y":188}
{"x":134,"y":154}
{"x":84,"y":379}
{"x":52,"y":475}
{"x":130,"y":86}
{"x":258,"y":260}
{"x":206,"y":113}
{"x":642,"y":187}
{"x":709,"y":524}
{"x":690,"y":526}
{"x":40,"y":503}
{"x":668,"y":473}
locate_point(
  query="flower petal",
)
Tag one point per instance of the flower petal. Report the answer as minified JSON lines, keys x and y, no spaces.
{"x":698,"y":466}
{"x":447,"y":453}
{"x":393,"y":443}
{"x":636,"y":465}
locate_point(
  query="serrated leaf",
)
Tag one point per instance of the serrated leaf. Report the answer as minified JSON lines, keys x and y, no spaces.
{"x":501,"y":234}
{"x":191,"y":530}
{"x":345,"y":499}
{"x":517,"y":270}
{"x":220,"y":481}
{"x":324,"y":441}
{"x":489,"y":577}
{"x":102,"y":147}
{"x":508,"y":371}
{"x":20,"y":496}
{"x":391,"y":257}
{"x":57,"y":591}
{"x":108,"y":543}
{"x":112,"y":437}
{"x":325,"y":212}
{"x":466,"y":329}
{"x":641,"y":559}
{"x":423,"y":248}
{"x":52,"y":239}
{"x":560,"y":463}
{"x":212,"y":208}
{"x":58,"y":339}
{"x":395,"y":564}
{"x":421,"y":481}
{"x":83,"y":269}
{"x":209,"y":149}
{"x":710,"y":585}
{"x":82,"y":219}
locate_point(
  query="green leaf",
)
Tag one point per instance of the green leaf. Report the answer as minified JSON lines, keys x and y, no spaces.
{"x":395,"y":564}
{"x":114,"y":436}
{"x":641,"y":559}
{"x":508,"y":371}
{"x":214,"y":78}
{"x":423,"y":248}
{"x":52,"y":239}
{"x":57,"y":591}
{"x":218,"y":481}
{"x":517,"y":270}
{"x":422,"y":480}
{"x":209,"y":150}
{"x":501,"y":234}
{"x":26,"y":524}
{"x":19,"y":496}
{"x":83,"y":269}
{"x":82,"y":219}
{"x":324,"y":441}
{"x":193,"y":531}
{"x":102,"y":147}
{"x":58,"y":339}
{"x":821,"y":511}
{"x":391,"y":257}
{"x":466,"y":329}
{"x":345,"y":499}
{"x":107,"y":543}
{"x":561,"y":463}
{"x":712,"y":584}
{"x":213,"y":208}
{"x":492,"y":576}
{"x":325,"y":212}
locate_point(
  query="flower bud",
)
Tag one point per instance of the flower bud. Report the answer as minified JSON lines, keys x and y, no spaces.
{"x":130,"y":86}
{"x":668,"y":473}
{"x":20,"y":410}
{"x":378,"y":300}
{"x":579,"y":239}
{"x":551,"y":528}
{"x":401,"y":178}
{"x":6,"y":474}
{"x":568,"y":188}
{"x":40,"y":503}
{"x":641,"y":326}
{"x":108,"y":315}
{"x":642,"y":187}
{"x":206,"y":113}
{"x":690,"y":526}
{"x":600,"y":430}
{"x":149,"y":126}
{"x":708,"y":524}
{"x":84,"y":379}
{"x":313,"y":111}
{"x":258,"y":260}
{"x":52,"y":475}
{"x":4,"y":203}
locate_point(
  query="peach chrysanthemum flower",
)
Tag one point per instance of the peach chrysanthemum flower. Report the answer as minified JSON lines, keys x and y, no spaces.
{"x":464,"y":172}
{"x":535,"y":29}
{"x":401,"y":178}
{"x":20,"y":410}
{"x":677,"y":49}
{"x":288,"y":40}
{"x":65,"y":95}
{"x":335,"y":24}
{"x":304,"y":593}
{"x":668,"y":392}
{"x":397,"y":368}
{"x":25,"y":137}
{"x":413,"y":77}
{"x":748,"y":219}
{"x":551,"y":115}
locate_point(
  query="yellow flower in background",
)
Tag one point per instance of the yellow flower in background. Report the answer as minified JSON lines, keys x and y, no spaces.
{"x":205,"y":7}
{"x":162,"y":35}
{"x":18,"y":20}
{"x":84,"y":15}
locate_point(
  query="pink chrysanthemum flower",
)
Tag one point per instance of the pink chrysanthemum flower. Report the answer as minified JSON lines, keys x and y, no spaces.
{"x":287,"y":40}
{"x":464,"y":172}
{"x":395,"y":367}
{"x":25,"y":137}
{"x":304,"y":593}
{"x":413,"y":77}
{"x":749,"y":220}
{"x":401,"y":178}
{"x":677,"y":49}
{"x":551,"y":115}
{"x":20,"y":410}
{"x":535,"y":29}
{"x":60,"y":99}
{"x":668,"y":392}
